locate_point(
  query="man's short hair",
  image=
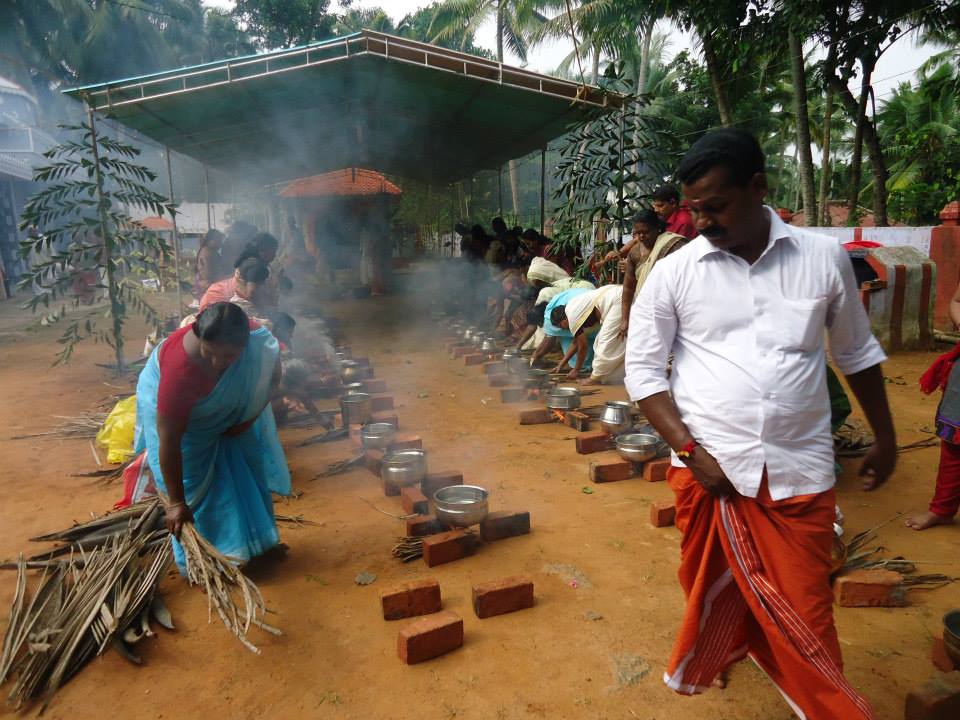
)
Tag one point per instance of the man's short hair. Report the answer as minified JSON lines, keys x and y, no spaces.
{"x":536,"y":313}
{"x":558,"y":314}
{"x":666,"y":193}
{"x":734,"y":149}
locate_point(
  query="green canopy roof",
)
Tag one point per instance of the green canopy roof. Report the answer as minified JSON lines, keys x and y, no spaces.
{"x":366,"y":100}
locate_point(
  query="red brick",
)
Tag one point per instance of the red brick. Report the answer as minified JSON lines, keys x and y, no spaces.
{"x":591,"y":442}
{"x":372,"y":460}
{"x":436,"y":480}
{"x":663,"y":513}
{"x":499,"y":380}
{"x":453,"y":345}
{"x":462,"y":350}
{"x":430,"y":637}
{"x":656,"y":470}
{"x":414,"y":501}
{"x":420,"y":597}
{"x":494,"y":367}
{"x":365,"y":373}
{"x":502,"y":596}
{"x":374,"y":385}
{"x":938,"y":699}
{"x":448,"y":546}
{"x":362,"y":361}
{"x":538,"y":416}
{"x":388,"y":489}
{"x":422,"y":525}
{"x":611,"y":471}
{"x":513,"y":394}
{"x":475,"y":359}
{"x":504,"y":524}
{"x":381,"y":402}
{"x":385,"y":416}
{"x":870,"y":588}
{"x":406,"y":441}
{"x":939,"y":657}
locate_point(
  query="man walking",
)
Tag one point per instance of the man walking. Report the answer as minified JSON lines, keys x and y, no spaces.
{"x":743,"y":309}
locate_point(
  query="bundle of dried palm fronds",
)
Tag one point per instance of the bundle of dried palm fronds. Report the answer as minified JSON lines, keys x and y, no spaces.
{"x":80,"y":607}
{"x":225,"y":585}
{"x":862,"y":553}
{"x":83,"y":426}
{"x":408,"y":548}
{"x":98,"y":589}
{"x":340,"y":466}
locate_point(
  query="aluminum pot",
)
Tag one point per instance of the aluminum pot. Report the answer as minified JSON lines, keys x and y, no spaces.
{"x":351,"y":371}
{"x":354,"y":388}
{"x":461,"y":505}
{"x":617,"y":417}
{"x":403,"y":468}
{"x":377,"y":436}
{"x":563,"y":398}
{"x":637,"y":447}
{"x":488,"y":345}
{"x":537,"y":376}
{"x":469,"y":333}
{"x":518,"y":365}
{"x":356,"y":409}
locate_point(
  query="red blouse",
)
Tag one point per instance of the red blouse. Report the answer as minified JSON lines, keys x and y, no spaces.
{"x":183,"y":383}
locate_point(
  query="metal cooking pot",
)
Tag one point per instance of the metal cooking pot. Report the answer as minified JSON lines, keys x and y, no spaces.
{"x":354,"y":388}
{"x":563,"y":398}
{"x":617,"y":417}
{"x":518,"y":365}
{"x":488,"y":345}
{"x":356,"y":409}
{"x":461,"y":505}
{"x":537,"y":376}
{"x":351,"y":371}
{"x":403,"y":468}
{"x":377,"y":436}
{"x":469,"y":333}
{"x":637,"y":447}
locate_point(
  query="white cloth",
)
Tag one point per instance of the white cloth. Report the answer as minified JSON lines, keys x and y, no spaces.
{"x":749,"y":369}
{"x":609,"y":348}
{"x":545,"y":271}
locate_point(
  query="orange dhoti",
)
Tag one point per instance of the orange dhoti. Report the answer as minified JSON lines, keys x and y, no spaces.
{"x":756,"y":574}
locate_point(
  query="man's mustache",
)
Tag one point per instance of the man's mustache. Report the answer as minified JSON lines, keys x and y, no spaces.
{"x":714,"y":232}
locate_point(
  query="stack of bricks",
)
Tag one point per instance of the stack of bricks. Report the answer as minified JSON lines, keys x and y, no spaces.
{"x":870,"y":588}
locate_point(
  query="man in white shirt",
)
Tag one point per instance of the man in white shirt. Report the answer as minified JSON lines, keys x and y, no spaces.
{"x":743,"y":309}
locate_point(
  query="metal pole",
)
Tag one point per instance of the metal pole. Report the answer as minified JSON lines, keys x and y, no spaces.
{"x":543,"y":185}
{"x":500,"y":191}
{"x":176,"y":235}
{"x":206,"y":190}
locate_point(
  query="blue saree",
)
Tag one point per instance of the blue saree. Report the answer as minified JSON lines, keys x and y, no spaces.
{"x":227,"y":481}
{"x":565,"y":336}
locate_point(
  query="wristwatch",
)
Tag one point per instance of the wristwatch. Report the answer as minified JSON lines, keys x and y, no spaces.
{"x":687,"y":450}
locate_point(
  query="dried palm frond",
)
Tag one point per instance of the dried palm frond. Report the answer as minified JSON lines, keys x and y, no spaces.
{"x":234,"y":596}
{"x":84,"y":426}
{"x":408,"y":548}
{"x":340,"y":466}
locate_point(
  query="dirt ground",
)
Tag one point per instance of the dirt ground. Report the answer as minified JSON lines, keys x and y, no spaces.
{"x":337,"y":657}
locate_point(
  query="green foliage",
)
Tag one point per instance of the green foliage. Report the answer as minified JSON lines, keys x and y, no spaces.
{"x":78,"y":228}
{"x":278,"y":24}
{"x":608,"y":168}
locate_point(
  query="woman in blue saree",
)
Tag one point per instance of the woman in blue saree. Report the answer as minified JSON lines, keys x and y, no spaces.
{"x":204,"y":418}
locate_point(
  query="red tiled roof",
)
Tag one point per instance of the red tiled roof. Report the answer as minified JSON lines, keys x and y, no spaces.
{"x":156,"y":223}
{"x":349,"y":182}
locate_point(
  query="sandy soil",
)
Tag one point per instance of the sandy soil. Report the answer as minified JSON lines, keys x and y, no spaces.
{"x":337,"y":657}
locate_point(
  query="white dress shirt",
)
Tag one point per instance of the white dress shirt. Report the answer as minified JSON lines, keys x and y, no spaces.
{"x":749,"y":369}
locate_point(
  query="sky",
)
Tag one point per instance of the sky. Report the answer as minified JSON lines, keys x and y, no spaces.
{"x":897,"y":65}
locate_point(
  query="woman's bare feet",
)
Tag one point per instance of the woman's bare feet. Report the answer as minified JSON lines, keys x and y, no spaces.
{"x":720,"y":682}
{"x":925,"y":520}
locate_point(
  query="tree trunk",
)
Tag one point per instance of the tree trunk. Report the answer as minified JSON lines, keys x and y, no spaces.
{"x":716,"y":80}
{"x":103,"y":209}
{"x":595,"y":70}
{"x":644,"y":72}
{"x":500,"y":30}
{"x":779,"y":196}
{"x":796,"y":179}
{"x":805,"y":168}
{"x":869,"y":135}
{"x":512,"y":165}
{"x":824,"y":203}
{"x":856,"y":163}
